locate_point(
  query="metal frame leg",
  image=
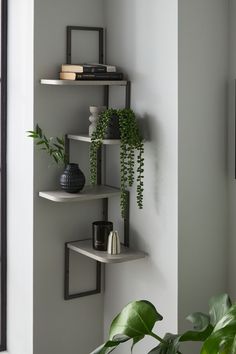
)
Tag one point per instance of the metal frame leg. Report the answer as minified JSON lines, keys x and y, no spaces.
{"x":67,"y":295}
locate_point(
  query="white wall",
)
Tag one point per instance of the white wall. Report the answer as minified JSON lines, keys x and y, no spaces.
{"x":63,"y":326}
{"x":203,"y":207}
{"x":20,"y":178}
{"x":142,"y":40}
{"x":231,"y":152}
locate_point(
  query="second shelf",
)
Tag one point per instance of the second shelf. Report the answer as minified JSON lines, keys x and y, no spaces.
{"x":88,"y":193}
{"x":87,"y":139}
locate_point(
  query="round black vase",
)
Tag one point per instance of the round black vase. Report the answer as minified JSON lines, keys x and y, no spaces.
{"x":72,"y":179}
{"x":113,"y":128}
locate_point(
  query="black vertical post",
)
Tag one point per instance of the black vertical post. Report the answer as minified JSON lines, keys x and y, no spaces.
{"x":67,"y":149}
{"x":66,"y":273}
{"x":106,"y":96}
{"x":128,"y":95}
{"x":126,"y":220}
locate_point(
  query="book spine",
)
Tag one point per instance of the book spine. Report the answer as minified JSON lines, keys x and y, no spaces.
{"x":100,"y":76}
{"x":94,"y":69}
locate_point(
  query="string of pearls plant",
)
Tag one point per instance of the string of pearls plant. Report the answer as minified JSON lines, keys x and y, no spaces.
{"x":131,"y":153}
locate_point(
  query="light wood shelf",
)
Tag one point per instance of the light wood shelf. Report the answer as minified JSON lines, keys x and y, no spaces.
{"x":88,"y":193}
{"x":58,"y":82}
{"x":87,"y":139}
{"x":85,"y":248}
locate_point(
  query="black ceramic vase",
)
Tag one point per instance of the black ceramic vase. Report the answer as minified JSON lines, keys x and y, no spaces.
{"x":113,"y":129}
{"x":72,"y":179}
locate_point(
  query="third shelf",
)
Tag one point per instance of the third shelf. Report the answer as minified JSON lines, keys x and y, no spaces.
{"x":85,"y":248}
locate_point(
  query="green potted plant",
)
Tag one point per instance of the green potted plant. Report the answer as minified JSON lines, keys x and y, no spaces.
{"x":121,"y":124}
{"x":216,"y":330}
{"x":72,"y":179}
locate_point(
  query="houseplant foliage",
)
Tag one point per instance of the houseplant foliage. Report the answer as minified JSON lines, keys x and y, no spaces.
{"x":131,"y":151}
{"x":216,"y":330}
{"x":72,"y":180}
{"x":55,"y":147}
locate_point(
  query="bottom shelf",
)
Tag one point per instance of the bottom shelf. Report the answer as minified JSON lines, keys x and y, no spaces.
{"x":85,"y":248}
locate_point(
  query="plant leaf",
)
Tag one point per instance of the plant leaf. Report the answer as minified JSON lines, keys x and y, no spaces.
{"x":223,"y":338}
{"x":202,"y":328}
{"x":170,"y":346}
{"x":135,"y":320}
{"x":219,"y":306}
{"x":110,"y":345}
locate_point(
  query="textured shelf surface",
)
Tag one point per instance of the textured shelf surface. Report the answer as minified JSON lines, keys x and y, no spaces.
{"x":83,"y":82}
{"x":85,"y":248}
{"x":88,"y":193}
{"x":86,"y":138}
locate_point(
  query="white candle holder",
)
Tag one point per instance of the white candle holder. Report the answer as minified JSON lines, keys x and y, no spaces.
{"x":95,"y":111}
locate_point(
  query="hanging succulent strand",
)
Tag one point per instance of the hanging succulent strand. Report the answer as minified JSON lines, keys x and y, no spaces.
{"x":131,"y":144}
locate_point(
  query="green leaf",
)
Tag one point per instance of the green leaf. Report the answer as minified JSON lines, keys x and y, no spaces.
{"x":40,"y":142}
{"x":39,"y":131}
{"x":202,"y":328}
{"x":219,"y":306}
{"x":223,"y":338}
{"x":60,"y":141}
{"x":170,"y":346}
{"x":136,"y":319}
{"x":110,"y":345}
{"x":104,"y":349}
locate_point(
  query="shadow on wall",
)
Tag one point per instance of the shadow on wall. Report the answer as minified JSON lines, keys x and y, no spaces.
{"x":152,"y":140}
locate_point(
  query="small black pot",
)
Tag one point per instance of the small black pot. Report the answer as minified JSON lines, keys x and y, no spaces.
{"x":113,"y":129}
{"x":72,"y":179}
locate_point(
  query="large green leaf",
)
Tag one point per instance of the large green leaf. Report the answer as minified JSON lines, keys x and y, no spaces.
{"x":110,"y":345}
{"x":223,"y":338}
{"x":219,"y":306}
{"x":135,"y":320}
{"x":170,"y":346}
{"x":201,"y":325}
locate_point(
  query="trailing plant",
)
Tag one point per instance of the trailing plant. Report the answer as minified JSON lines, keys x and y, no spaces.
{"x":131,"y":143}
{"x":216,"y":330}
{"x":54,"y":147}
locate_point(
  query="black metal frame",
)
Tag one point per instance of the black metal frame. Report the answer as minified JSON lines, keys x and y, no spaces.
{"x":97,"y":290}
{"x":69,"y":30}
{"x":3,"y":177}
{"x":67,"y":295}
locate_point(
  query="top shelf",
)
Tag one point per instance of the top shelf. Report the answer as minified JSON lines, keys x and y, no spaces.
{"x":83,"y":82}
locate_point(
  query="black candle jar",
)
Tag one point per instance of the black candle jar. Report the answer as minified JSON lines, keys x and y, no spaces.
{"x":101,"y":230}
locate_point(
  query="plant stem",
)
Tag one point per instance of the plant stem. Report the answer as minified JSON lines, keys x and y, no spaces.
{"x":158,"y":338}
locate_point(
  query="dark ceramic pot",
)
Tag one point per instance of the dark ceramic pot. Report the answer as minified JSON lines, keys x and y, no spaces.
{"x":113,"y":129}
{"x":72,"y":179}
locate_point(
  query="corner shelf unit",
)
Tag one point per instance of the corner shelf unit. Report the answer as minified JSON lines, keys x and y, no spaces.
{"x":100,"y":191}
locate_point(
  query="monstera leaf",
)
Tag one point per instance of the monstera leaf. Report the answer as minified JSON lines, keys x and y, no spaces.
{"x":219,"y":306}
{"x":135,"y":321}
{"x":202,"y":328}
{"x":223,"y":338}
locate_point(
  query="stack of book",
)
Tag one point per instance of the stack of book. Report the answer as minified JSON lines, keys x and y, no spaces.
{"x":89,"y":72}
